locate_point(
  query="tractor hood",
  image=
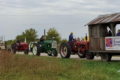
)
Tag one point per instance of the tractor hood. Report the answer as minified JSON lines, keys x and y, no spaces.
{"x":82,"y":43}
{"x":21,"y":44}
{"x":48,"y":41}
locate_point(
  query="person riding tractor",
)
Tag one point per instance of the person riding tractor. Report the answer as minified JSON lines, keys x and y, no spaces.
{"x":45,"y":46}
{"x":42,"y":40}
{"x":19,"y":46}
{"x":71,"y":39}
{"x":18,"y":41}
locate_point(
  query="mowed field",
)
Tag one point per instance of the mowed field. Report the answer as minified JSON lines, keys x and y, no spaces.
{"x":29,"y":67}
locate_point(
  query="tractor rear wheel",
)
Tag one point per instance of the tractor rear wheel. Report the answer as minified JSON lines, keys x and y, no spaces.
{"x":65,"y":50}
{"x":36,"y":50}
{"x":26,"y":51}
{"x":106,"y":57}
{"x":89,"y":55}
{"x":13,"y":48}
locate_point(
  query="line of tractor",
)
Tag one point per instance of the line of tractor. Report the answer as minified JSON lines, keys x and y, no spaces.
{"x":99,"y":44}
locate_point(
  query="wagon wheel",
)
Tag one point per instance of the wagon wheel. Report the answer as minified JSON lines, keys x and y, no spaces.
{"x":13,"y":48}
{"x":36,"y":50}
{"x":89,"y":55}
{"x":81,"y":54}
{"x":65,"y":50}
{"x":106,"y":57}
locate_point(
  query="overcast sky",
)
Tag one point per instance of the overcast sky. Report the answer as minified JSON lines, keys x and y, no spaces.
{"x":64,"y":15}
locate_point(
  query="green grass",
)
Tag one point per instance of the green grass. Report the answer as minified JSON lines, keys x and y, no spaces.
{"x":28,"y":67}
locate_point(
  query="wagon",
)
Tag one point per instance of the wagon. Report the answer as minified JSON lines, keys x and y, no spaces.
{"x":101,"y":43}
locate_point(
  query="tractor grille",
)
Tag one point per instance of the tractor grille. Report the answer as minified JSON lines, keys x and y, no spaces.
{"x":54,"y":44}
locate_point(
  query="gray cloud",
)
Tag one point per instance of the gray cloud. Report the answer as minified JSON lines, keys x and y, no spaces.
{"x":64,"y":15}
{"x":64,"y":7}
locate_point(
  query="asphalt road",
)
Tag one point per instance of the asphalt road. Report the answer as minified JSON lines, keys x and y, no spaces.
{"x":114,"y":58}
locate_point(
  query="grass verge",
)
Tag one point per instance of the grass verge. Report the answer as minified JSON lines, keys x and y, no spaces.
{"x":28,"y":67}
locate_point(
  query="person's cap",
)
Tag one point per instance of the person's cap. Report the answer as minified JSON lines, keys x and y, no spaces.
{"x":71,"y":32}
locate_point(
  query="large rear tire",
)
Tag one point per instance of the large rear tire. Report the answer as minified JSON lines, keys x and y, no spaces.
{"x":36,"y":50}
{"x":106,"y":57}
{"x":13,"y":48}
{"x":65,"y":50}
{"x":89,"y":55}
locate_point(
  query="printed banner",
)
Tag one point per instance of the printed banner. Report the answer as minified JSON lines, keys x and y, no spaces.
{"x":112,"y":43}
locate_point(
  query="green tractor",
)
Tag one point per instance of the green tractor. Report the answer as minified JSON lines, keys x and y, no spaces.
{"x":49,"y":47}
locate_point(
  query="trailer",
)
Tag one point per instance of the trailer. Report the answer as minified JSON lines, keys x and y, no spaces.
{"x":101,"y":43}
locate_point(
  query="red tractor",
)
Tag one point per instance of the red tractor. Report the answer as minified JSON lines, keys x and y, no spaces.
{"x":22,"y":47}
{"x":79,"y":47}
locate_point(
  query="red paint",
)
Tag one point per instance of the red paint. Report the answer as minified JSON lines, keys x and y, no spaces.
{"x":81,"y":45}
{"x":22,"y":46}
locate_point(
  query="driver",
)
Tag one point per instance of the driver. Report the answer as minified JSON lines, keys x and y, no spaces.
{"x":42,"y":39}
{"x":71,"y":39}
{"x":18,"y":41}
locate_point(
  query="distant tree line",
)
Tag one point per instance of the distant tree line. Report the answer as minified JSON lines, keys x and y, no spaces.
{"x":31,"y":36}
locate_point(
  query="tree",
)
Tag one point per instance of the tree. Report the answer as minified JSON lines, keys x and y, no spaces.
{"x":63,"y":40}
{"x":21,"y":37}
{"x":52,"y":32}
{"x":9,"y":42}
{"x":30,"y":34}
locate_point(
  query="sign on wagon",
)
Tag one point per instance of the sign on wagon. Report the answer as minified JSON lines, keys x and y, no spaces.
{"x":112,"y":43}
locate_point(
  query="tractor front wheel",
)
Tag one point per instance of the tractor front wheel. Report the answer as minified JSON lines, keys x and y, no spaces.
{"x":49,"y":52}
{"x":54,"y":53}
{"x":81,"y":54}
{"x":89,"y":55}
{"x":36,"y":50}
{"x":65,"y":50}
